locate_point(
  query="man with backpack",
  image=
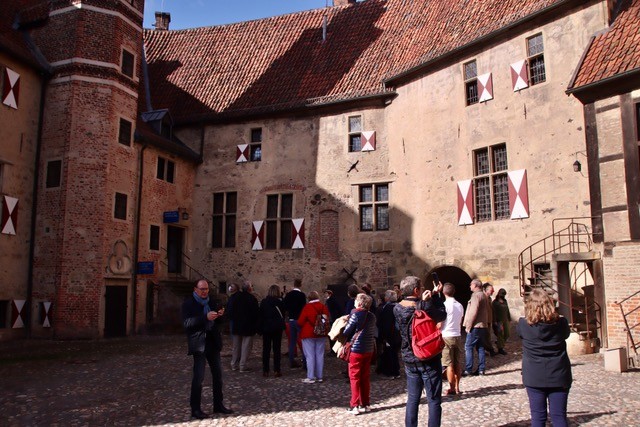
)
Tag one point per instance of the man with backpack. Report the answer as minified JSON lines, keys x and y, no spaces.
{"x":422,"y":374}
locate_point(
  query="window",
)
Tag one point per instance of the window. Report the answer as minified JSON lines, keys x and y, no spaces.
{"x":54,"y":173}
{"x":154,"y":238}
{"x":127,"y":63}
{"x":124,"y":133}
{"x":166,"y":169}
{"x":491,"y":184}
{"x":225,"y":206}
{"x":255,"y":154}
{"x":355,"y":137}
{"x":470,"y":70}
{"x":535,"y":54}
{"x":4,"y":314}
{"x":2,"y":166}
{"x":120,"y":206}
{"x":374,"y":207}
{"x":279,"y":227}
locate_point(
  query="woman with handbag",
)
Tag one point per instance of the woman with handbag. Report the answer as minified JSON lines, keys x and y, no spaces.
{"x":272,"y":324}
{"x":360,"y":334}
{"x":313,"y":340}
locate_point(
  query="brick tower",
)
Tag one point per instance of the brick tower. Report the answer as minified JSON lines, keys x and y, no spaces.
{"x":85,"y":224}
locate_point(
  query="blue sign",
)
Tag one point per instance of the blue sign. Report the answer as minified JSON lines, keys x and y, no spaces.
{"x":171,"y":216}
{"x":145,"y":267}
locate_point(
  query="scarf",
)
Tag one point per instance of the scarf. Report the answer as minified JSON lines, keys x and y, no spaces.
{"x":203,"y":302}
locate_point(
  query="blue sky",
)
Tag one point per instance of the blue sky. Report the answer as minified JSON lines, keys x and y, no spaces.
{"x":204,"y":13}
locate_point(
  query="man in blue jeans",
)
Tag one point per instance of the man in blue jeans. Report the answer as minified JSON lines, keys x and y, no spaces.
{"x":421,"y":374}
{"x":294,"y":301}
{"x":476,"y":322}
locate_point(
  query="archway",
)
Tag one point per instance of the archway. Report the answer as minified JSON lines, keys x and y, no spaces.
{"x":456,"y":276}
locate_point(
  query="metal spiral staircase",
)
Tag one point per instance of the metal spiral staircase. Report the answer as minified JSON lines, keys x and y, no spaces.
{"x":563,"y":265}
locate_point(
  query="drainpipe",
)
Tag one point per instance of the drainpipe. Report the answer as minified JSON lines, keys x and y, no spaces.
{"x":34,"y":206}
{"x":137,"y":239}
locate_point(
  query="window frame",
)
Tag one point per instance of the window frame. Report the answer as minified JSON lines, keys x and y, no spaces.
{"x":255,"y":144}
{"x":226,"y":225}
{"x":494,"y":189}
{"x":166,"y":170}
{"x":3,"y":167}
{"x":280,"y":225}
{"x":121,"y":137}
{"x":470,"y":81}
{"x":154,"y":248}
{"x":374,"y":204}
{"x":47,"y":174}
{"x":353,"y":134}
{"x":536,"y":77}
{"x":116,"y":206}
{"x":124,"y":63}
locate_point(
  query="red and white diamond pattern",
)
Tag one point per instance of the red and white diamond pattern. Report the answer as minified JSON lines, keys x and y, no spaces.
{"x":46,"y":308}
{"x":485,"y":87}
{"x":465,"y":202}
{"x":17,"y":321}
{"x":257,"y":235}
{"x":9,"y":215}
{"x":242,"y":153}
{"x":368,"y":140}
{"x":519,"y":76}
{"x":11,"y":88}
{"x":298,"y":233}
{"x":518,"y":194}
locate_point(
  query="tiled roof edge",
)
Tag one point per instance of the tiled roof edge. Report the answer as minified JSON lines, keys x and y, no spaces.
{"x":580,"y":63}
{"x":407,"y":74}
{"x":282,"y":108}
{"x":620,"y":83}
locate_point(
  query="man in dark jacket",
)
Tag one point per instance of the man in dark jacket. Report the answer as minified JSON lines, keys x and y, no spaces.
{"x":421,"y":374}
{"x":294,"y":302}
{"x":244,"y":313}
{"x":199,"y":314}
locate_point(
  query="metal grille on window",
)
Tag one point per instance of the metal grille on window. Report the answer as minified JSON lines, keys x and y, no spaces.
{"x":535,"y":48}
{"x":483,"y":199}
{"x":471,"y":82}
{"x":501,"y":196}
{"x":355,"y":137}
{"x":482,"y":162}
{"x":366,"y":218}
{"x":499,"y":158}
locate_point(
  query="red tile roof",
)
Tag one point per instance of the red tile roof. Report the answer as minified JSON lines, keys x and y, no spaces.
{"x":281,"y":62}
{"x":614,"y":52}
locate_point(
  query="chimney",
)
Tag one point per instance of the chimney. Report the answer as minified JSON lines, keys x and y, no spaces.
{"x":162,"y":21}
{"x":343,"y":2}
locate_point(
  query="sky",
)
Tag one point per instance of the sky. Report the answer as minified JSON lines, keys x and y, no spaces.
{"x":205,"y":13}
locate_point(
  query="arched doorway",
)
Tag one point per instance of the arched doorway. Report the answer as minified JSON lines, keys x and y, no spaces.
{"x":456,"y":276}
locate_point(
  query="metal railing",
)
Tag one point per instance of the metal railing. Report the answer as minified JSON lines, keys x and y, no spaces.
{"x":574,"y":237}
{"x":192,"y":273}
{"x":631,"y":344}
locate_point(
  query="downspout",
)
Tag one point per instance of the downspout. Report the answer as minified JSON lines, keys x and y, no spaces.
{"x":137,"y":239}
{"x":34,"y":206}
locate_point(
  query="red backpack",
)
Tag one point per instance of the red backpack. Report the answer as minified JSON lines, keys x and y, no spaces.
{"x":426,"y":338}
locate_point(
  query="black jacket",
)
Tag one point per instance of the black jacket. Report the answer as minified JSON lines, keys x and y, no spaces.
{"x":361,"y":320}
{"x":434,"y":308}
{"x":199,"y":330}
{"x":271,"y":315}
{"x":244,"y":313}
{"x":294,"y":302}
{"x":545,"y":362}
{"x":387,"y":330}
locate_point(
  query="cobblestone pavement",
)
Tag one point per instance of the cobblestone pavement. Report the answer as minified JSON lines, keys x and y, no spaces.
{"x":145,"y":381}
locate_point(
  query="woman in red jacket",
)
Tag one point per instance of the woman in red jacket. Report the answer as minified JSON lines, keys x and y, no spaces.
{"x":313,"y":345}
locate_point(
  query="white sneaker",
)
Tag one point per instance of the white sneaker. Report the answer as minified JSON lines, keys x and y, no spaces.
{"x":355,"y":410}
{"x":319,"y":380}
{"x":308,"y":381}
{"x":363,"y":409}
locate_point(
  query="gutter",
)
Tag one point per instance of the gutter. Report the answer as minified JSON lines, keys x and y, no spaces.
{"x":627,"y":75}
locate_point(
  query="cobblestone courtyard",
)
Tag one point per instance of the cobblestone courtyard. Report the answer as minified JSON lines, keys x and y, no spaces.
{"x":145,"y":381}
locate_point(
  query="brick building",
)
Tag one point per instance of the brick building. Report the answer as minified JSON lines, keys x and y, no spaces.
{"x":360,"y":142}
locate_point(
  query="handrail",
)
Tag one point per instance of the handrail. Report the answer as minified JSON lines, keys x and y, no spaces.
{"x":186,"y":264}
{"x":628,"y":328}
{"x":569,"y":235}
